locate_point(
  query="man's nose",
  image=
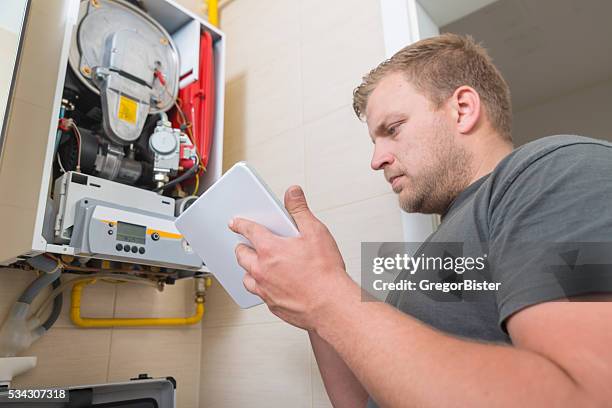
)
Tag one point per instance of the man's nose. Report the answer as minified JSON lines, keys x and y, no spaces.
{"x":381,"y":157}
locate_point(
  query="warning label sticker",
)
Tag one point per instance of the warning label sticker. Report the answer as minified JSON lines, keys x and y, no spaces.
{"x":128,"y":110}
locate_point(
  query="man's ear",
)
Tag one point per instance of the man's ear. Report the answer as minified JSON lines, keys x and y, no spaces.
{"x":466,"y":104}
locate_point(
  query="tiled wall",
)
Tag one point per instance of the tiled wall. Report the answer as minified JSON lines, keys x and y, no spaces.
{"x":291,"y":69}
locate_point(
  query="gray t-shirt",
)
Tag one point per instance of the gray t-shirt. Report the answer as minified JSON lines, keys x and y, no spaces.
{"x":543,"y":218}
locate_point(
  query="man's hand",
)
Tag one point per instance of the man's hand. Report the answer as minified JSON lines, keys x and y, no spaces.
{"x":296,"y":277}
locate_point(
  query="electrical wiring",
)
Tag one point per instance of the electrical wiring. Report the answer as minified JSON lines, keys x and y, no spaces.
{"x":196,"y":187}
{"x":77,"y":270}
{"x":67,"y":268}
{"x":188,"y":126}
{"x":71,"y":124}
{"x":186,"y":175}
{"x":59,"y":161}
{"x":184,"y":123}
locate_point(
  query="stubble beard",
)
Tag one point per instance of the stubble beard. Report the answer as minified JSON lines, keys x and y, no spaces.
{"x":432,"y":191}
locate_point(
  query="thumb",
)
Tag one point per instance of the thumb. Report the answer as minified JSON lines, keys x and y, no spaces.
{"x":295,"y":203}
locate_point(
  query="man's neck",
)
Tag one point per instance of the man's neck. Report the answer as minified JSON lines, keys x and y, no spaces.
{"x":489,"y":156}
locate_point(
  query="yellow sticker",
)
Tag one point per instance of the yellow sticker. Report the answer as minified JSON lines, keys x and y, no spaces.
{"x":128,"y":110}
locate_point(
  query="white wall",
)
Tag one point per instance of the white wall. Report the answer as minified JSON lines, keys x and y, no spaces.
{"x":586,"y":111}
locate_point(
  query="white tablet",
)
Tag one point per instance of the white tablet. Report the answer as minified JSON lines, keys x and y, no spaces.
{"x":240,"y":192}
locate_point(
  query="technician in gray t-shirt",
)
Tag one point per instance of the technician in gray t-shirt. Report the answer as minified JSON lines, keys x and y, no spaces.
{"x":539,"y":217}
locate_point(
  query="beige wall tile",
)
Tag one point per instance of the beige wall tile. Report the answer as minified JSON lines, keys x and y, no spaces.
{"x":272,"y":29}
{"x":166,"y":352}
{"x":338,"y":152}
{"x":279,"y":161}
{"x":222,"y":311}
{"x":195,"y":6}
{"x":265,"y":100}
{"x":255,"y":366}
{"x":68,"y":357}
{"x":374,"y":219}
{"x":235,"y":120}
{"x":342,"y":41}
{"x":98,"y":301}
{"x":136,"y":300}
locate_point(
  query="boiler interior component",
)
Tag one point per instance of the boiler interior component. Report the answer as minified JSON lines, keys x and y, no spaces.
{"x":73,"y":187}
{"x":129,"y":234}
{"x":184,"y":203}
{"x":122,"y":54}
{"x":130,"y":44}
{"x":165,"y":144}
{"x":84,"y":150}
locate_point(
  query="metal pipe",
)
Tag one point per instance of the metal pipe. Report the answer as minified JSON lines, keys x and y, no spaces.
{"x":87,"y":322}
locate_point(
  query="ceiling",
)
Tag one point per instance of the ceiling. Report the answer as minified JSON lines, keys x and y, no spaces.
{"x":544,"y":48}
{"x":443,"y":12}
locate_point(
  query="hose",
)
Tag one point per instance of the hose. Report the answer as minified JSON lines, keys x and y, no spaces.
{"x":58,"y":302}
{"x":189,"y":173}
{"x":17,"y":333}
{"x":53,"y":272}
{"x":60,"y":289}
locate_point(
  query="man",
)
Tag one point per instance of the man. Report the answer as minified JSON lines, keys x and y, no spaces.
{"x":438,"y":113}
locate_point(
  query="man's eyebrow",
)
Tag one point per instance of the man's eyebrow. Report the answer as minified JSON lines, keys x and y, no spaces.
{"x":387,"y":120}
{"x":380,"y":129}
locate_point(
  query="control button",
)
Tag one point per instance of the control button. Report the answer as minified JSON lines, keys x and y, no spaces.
{"x":155,"y":236}
{"x":134,"y":249}
{"x":111,"y":232}
{"x":110,"y":224}
{"x":126,"y":248}
{"x":141,"y":250}
{"x":119,"y":247}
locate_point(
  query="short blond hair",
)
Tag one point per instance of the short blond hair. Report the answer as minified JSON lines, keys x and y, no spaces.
{"x":439,"y":65}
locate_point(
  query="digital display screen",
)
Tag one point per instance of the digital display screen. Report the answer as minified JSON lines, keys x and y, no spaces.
{"x":131,"y":233}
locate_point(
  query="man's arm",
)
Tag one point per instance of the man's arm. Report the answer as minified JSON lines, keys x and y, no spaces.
{"x":561,"y":356}
{"x":343,"y":388}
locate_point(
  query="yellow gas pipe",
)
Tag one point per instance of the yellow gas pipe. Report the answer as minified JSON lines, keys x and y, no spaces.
{"x":213,"y":12}
{"x":88,"y":322}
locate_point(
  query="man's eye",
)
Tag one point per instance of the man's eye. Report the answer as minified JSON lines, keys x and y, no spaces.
{"x":392,"y":130}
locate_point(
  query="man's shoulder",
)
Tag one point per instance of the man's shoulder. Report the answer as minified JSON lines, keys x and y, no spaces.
{"x":551,"y":152}
{"x":551,"y":145}
{"x":541,"y":162}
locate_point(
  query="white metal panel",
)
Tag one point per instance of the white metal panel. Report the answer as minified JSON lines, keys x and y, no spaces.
{"x":26,"y":162}
{"x":187,"y":40}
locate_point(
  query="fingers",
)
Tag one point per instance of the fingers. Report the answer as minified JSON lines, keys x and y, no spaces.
{"x":252,"y":231}
{"x":296,"y":205}
{"x":246,"y":257}
{"x":250,"y":284}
